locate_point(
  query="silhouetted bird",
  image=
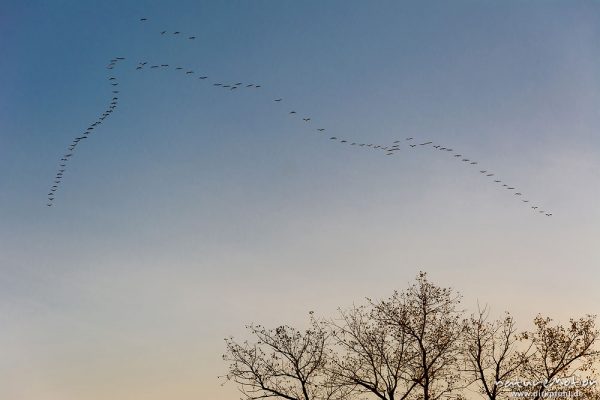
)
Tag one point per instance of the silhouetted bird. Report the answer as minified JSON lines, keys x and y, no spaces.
{"x":278,"y":99}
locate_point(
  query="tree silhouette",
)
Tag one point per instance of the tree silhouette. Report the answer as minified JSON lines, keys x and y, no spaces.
{"x":430,"y":318}
{"x":415,"y":345}
{"x":371,"y":357}
{"x":493,"y":354}
{"x":283,"y":363}
{"x":560,"y":351}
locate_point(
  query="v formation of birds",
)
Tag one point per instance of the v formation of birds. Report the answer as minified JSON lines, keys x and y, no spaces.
{"x":385,"y":149}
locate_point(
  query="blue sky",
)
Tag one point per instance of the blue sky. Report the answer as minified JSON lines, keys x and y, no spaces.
{"x":194,"y":210}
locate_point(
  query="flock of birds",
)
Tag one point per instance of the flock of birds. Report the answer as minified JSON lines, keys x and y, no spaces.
{"x":387,"y":149}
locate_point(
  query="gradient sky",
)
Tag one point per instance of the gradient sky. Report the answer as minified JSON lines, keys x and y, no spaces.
{"x":194,"y":210}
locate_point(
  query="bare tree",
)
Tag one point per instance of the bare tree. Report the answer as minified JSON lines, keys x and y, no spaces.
{"x":283,"y":363}
{"x":560,"y":351}
{"x":371,"y":357}
{"x":415,"y":345}
{"x":430,"y":318}
{"x":492,"y":353}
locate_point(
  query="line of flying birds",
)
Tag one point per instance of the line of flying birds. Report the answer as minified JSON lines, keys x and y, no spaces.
{"x":389,"y":150}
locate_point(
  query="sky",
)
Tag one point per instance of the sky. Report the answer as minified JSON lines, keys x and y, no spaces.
{"x":194,"y":210}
